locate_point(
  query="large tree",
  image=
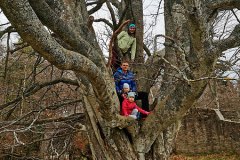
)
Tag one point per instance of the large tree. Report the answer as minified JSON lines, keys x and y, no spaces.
{"x":61,"y":33}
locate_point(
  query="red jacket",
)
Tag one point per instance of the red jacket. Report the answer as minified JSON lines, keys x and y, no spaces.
{"x":127,"y":108}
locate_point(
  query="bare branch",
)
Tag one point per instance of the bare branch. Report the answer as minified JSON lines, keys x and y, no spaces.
{"x":146,"y":50}
{"x":215,"y":78}
{"x":56,"y":106}
{"x":77,"y":116}
{"x":235,"y":16}
{"x":97,"y":7}
{"x":66,"y":32}
{"x":34,"y":88}
{"x":4,"y":23}
{"x":223,"y":4}
{"x":64,"y":59}
{"x":232,"y":41}
{"x":116,"y":3}
{"x":114,"y":21}
{"x":104,"y":21}
{"x":7,"y":30}
{"x":7,"y":57}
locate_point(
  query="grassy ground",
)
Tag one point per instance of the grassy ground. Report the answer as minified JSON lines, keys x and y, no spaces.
{"x":207,"y":157}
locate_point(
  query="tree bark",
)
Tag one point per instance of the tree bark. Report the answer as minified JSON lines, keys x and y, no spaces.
{"x":190,"y":54}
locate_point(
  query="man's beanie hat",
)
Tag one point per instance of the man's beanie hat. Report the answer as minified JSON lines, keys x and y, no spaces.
{"x":126,"y":85}
{"x":131,"y":94}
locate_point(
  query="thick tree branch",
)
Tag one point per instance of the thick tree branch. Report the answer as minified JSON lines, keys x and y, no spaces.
{"x":223,"y":4}
{"x":168,"y":112}
{"x":235,"y":15}
{"x":104,"y":21}
{"x":97,"y":7}
{"x":67,"y":31}
{"x":7,"y":30}
{"x":232,"y":41}
{"x":115,"y":3}
{"x":114,"y":21}
{"x":74,"y":12}
{"x":31,"y":29}
{"x":155,"y":63}
{"x":146,"y":50}
{"x":123,"y":13}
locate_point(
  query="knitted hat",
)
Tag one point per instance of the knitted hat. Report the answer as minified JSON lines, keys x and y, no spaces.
{"x":132,"y":25}
{"x":131,"y":94}
{"x":126,"y":85}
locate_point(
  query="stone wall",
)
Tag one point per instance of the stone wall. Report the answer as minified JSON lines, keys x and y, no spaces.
{"x":207,"y":131}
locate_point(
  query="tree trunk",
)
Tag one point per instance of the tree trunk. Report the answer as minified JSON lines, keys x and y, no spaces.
{"x":189,"y":56}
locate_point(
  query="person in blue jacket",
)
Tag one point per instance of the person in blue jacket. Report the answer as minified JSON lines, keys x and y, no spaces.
{"x":124,"y":75}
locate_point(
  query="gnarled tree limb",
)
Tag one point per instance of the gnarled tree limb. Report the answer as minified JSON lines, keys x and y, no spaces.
{"x":232,"y":41}
{"x":223,"y":4}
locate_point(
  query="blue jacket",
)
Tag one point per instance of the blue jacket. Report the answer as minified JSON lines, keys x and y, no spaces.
{"x":121,"y":78}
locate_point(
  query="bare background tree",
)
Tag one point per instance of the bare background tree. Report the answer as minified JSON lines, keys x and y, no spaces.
{"x":58,"y":96}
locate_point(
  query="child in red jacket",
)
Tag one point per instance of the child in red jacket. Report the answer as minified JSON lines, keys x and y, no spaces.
{"x":130,"y":108}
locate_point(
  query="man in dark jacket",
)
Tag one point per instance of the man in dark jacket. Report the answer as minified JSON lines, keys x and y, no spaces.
{"x":124,"y":75}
